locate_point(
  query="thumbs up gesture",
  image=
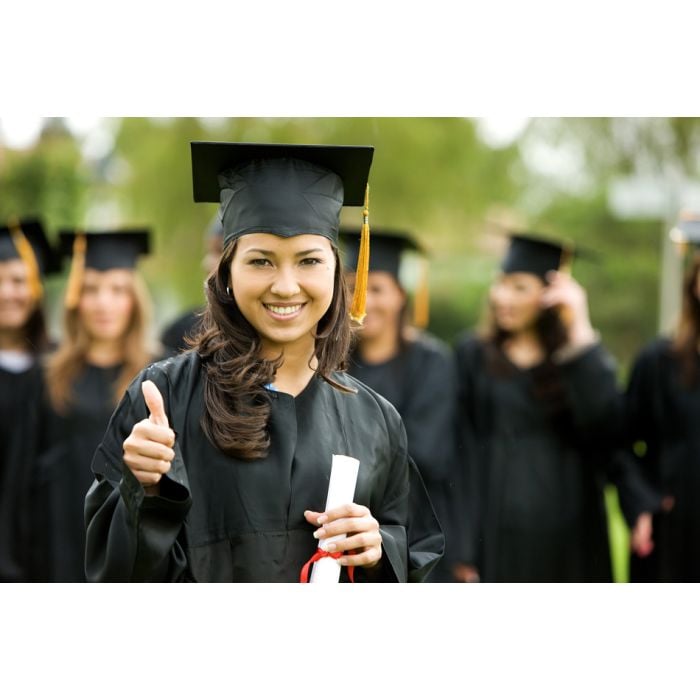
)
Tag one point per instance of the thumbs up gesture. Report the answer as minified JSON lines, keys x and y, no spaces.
{"x":148,"y":450}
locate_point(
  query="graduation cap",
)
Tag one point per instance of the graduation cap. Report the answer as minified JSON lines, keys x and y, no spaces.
{"x":533,"y":253}
{"x":26,"y":240}
{"x":286,"y":190}
{"x":100,"y":250}
{"x":387,"y":252}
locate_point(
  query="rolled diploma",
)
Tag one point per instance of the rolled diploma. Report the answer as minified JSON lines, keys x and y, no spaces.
{"x":341,"y":490}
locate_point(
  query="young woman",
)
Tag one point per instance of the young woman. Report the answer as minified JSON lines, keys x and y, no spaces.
{"x":540,"y":411}
{"x":216,"y":464}
{"x":412,"y":369}
{"x":106,"y":320}
{"x":25,"y":258}
{"x":662,"y":404}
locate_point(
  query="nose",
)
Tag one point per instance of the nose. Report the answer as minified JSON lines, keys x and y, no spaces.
{"x":285,"y":283}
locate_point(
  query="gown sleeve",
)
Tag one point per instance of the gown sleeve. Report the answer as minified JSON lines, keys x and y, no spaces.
{"x":131,"y":536}
{"x":592,"y":395}
{"x":412,"y":539}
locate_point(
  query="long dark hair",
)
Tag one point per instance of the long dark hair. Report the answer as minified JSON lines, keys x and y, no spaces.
{"x":236,"y":403}
{"x":687,"y":335}
{"x":552,"y":335}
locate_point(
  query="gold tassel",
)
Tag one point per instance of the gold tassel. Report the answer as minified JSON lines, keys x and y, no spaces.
{"x":75,"y":278}
{"x":26,"y":254}
{"x":359,"y":298}
{"x":421,"y":301}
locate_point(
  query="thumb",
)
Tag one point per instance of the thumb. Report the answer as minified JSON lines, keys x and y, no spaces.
{"x":154,"y":401}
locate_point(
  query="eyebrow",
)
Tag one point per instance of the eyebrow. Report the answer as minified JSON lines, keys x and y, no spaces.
{"x":272,"y":253}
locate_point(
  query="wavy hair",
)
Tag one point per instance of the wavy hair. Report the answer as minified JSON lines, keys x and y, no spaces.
{"x":236,"y":403}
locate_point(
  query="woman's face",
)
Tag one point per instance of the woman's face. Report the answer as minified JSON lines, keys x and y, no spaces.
{"x":283,"y":286}
{"x":16,"y":304}
{"x":385,"y":302}
{"x":515,"y":301}
{"x":106,"y":303}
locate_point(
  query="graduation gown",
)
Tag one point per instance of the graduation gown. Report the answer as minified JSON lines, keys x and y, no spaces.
{"x":662,"y":413}
{"x":224,"y":519}
{"x":20,"y":399}
{"x":63,"y":474}
{"x":173,"y":337}
{"x":535,"y":485}
{"x":420,"y":382}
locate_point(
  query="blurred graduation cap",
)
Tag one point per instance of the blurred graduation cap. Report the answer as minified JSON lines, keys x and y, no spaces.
{"x":538,"y":254}
{"x":388,"y":252}
{"x":286,"y":190}
{"x":25,"y":239}
{"x":100,"y":250}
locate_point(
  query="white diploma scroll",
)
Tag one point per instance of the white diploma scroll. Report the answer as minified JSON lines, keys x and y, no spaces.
{"x":341,"y":490}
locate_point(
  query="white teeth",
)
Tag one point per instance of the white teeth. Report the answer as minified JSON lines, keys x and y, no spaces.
{"x":283,"y":310}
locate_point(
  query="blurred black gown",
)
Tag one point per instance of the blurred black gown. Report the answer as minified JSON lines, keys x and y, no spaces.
{"x":20,"y":401}
{"x":534,"y":476}
{"x":185,"y":326}
{"x":420,"y":382}
{"x":63,"y":475}
{"x":662,"y":412}
{"x":224,"y":519}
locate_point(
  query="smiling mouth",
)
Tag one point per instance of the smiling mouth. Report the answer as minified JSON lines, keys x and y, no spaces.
{"x":280,"y":310}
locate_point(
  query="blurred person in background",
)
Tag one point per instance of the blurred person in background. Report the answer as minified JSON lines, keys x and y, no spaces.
{"x":539,"y":414}
{"x":395,"y":356}
{"x":662,"y":405}
{"x":26,"y":257}
{"x":106,"y":320}
{"x":175,"y":336}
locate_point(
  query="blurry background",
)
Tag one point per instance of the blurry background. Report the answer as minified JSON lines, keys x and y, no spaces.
{"x":614,"y":185}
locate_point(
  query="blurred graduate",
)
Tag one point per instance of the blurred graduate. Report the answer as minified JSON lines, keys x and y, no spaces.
{"x":540,"y":411}
{"x":176,"y":335}
{"x":662,"y":408}
{"x":105,"y":344}
{"x":26,"y":258}
{"x":216,"y":464}
{"x":395,"y":355}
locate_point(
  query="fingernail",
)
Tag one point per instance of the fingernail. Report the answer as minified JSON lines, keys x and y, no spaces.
{"x":319,"y":534}
{"x":322,"y":519}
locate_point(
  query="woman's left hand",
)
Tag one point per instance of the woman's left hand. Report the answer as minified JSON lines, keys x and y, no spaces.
{"x":564,"y":291}
{"x":361,"y":530}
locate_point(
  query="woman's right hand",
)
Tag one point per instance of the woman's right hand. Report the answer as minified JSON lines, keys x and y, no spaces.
{"x":148,"y":451}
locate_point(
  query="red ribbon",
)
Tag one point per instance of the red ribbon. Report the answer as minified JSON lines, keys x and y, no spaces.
{"x":320,"y":554}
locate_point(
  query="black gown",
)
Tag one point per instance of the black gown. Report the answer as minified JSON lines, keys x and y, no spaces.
{"x":535,"y":482}
{"x":185,"y":326}
{"x":20,"y":400}
{"x":663,"y":414}
{"x":63,"y":474}
{"x":420,"y":382}
{"x":223,"y":519}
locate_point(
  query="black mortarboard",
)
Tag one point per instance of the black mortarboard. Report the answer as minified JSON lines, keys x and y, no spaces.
{"x":46,"y":258}
{"x":108,"y":249}
{"x":530,"y":252}
{"x":386,"y":250}
{"x":282,"y":189}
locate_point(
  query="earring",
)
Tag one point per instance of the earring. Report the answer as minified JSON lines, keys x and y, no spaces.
{"x":228,"y":291}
